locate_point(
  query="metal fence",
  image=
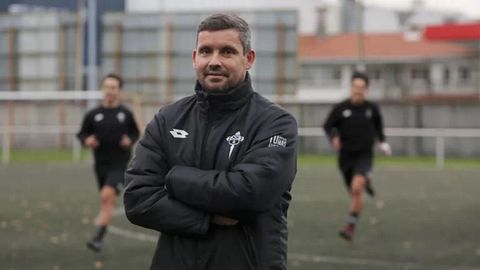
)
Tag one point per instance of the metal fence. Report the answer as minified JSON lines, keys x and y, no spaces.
{"x":153,"y":51}
{"x":43,"y":51}
{"x":439,"y":135}
{"x":427,"y":123}
{"x":39,"y":51}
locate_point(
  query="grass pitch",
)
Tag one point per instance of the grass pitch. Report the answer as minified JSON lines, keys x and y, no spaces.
{"x":422,"y":218}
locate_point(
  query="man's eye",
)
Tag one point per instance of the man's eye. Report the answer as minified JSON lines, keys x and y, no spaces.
{"x":204,"y":51}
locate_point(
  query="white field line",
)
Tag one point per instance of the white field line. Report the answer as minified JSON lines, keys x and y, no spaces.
{"x":133,"y":235}
{"x":309,"y":258}
{"x":373,"y":263}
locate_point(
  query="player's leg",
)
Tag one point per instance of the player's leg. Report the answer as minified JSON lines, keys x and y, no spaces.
{"x":107,"y":180}
{"x":369,"y":187}
{"x":362,"y":166}
{"x":366,"y":166}
{"x":356,"y":189}
{"x":346,"y":166}
{"x":95,"y":243}
{"x":108,"y":198}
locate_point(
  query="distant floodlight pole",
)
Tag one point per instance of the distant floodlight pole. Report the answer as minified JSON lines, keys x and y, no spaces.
{"x":79,"y":45}
{"x":361,"y":38}
{"x":92,"y":46}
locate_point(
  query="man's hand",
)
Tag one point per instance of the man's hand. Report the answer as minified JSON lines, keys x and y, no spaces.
{"x":91,"y":142}
{"x":386,"y":149}
{"x":336,"y":144}
{"x":126,"y":142}
{"x":224,"y":221}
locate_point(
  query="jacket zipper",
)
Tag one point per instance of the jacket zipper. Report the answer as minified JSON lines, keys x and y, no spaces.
{"x":205,"y":137}
{"x":202,"y":166}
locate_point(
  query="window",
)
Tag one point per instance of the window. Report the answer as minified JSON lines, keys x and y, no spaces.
{"x":375,"y":74}
{"x":446,"y":75}
{"x":322,"y":22}
{"x":464,"y":74}
{"x":419,"y":73}
{"x":337,"y":74}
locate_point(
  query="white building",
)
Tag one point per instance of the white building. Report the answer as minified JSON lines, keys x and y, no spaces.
{"x":307,"y":8}
{"x":324,"y":17}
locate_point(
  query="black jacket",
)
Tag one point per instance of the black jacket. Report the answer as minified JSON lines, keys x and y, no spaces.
{"x":227,"y":153}
{"x":357,"y":125}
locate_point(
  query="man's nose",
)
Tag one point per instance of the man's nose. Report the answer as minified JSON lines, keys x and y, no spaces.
{"x":214,"y":60}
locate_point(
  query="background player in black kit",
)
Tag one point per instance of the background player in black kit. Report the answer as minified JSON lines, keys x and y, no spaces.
{"x":352,"y":127}
{"x":110,"y":131}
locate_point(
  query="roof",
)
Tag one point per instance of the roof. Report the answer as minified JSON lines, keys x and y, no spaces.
{"x":457,"y":32}
{"x":377,"y":47}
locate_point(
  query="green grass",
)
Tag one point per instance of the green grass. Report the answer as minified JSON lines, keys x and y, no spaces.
{"x":425,"y":162}
{"x":66,"y":156}
{"x":422,"y":218}
{"x":45,"y":156}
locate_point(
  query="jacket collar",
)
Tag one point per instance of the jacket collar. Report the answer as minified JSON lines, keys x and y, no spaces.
{"x":230,"y":99}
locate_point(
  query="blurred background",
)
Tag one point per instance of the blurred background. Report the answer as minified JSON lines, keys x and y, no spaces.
{"x":423,"y":58}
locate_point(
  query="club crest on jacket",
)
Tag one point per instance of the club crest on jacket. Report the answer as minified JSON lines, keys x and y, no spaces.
{"x":234,"y":140}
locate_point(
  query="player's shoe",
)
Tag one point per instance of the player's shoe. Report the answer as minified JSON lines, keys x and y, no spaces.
{"x":369,"y":189}
{"x":347,"y":232}
{"x":94,"y":245}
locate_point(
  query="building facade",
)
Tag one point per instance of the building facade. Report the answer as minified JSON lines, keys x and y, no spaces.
{"x":403,"y":65}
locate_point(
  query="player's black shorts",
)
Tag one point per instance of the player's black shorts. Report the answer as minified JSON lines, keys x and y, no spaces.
{"x":353,"y":163}
{"x":110,"y":174}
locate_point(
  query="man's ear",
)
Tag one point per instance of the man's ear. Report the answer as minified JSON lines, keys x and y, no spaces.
{"x":194,"y":53}
{"x":250,"y":59}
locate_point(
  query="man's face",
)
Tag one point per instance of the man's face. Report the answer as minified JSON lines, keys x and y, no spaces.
{"x":219,"y":61}
{"x":111,"y":90}
{"x":358,"y":91}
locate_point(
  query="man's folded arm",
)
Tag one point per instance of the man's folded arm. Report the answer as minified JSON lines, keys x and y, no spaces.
{"x":146,"y":201}
{"x":253,"y":185}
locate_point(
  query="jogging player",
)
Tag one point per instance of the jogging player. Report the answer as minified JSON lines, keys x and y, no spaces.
{"x":110,"y":131}
{"x":353,"y":126}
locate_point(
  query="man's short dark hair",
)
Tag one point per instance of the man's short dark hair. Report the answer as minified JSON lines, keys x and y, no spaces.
{"x":220,"y":21}
{"x":116,"y":77}
{"x":361,"y":75}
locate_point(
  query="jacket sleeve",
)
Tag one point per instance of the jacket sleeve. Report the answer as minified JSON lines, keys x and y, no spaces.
{"x":147,"y":204}
{"x":255,"y":184}
{"x":378,"y":123}
{"x":86,"y":129}
{"x":332,"y":123}
{"x":133,"y":132}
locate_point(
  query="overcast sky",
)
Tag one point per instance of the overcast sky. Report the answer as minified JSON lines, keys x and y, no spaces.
{"x":468,"y":7}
